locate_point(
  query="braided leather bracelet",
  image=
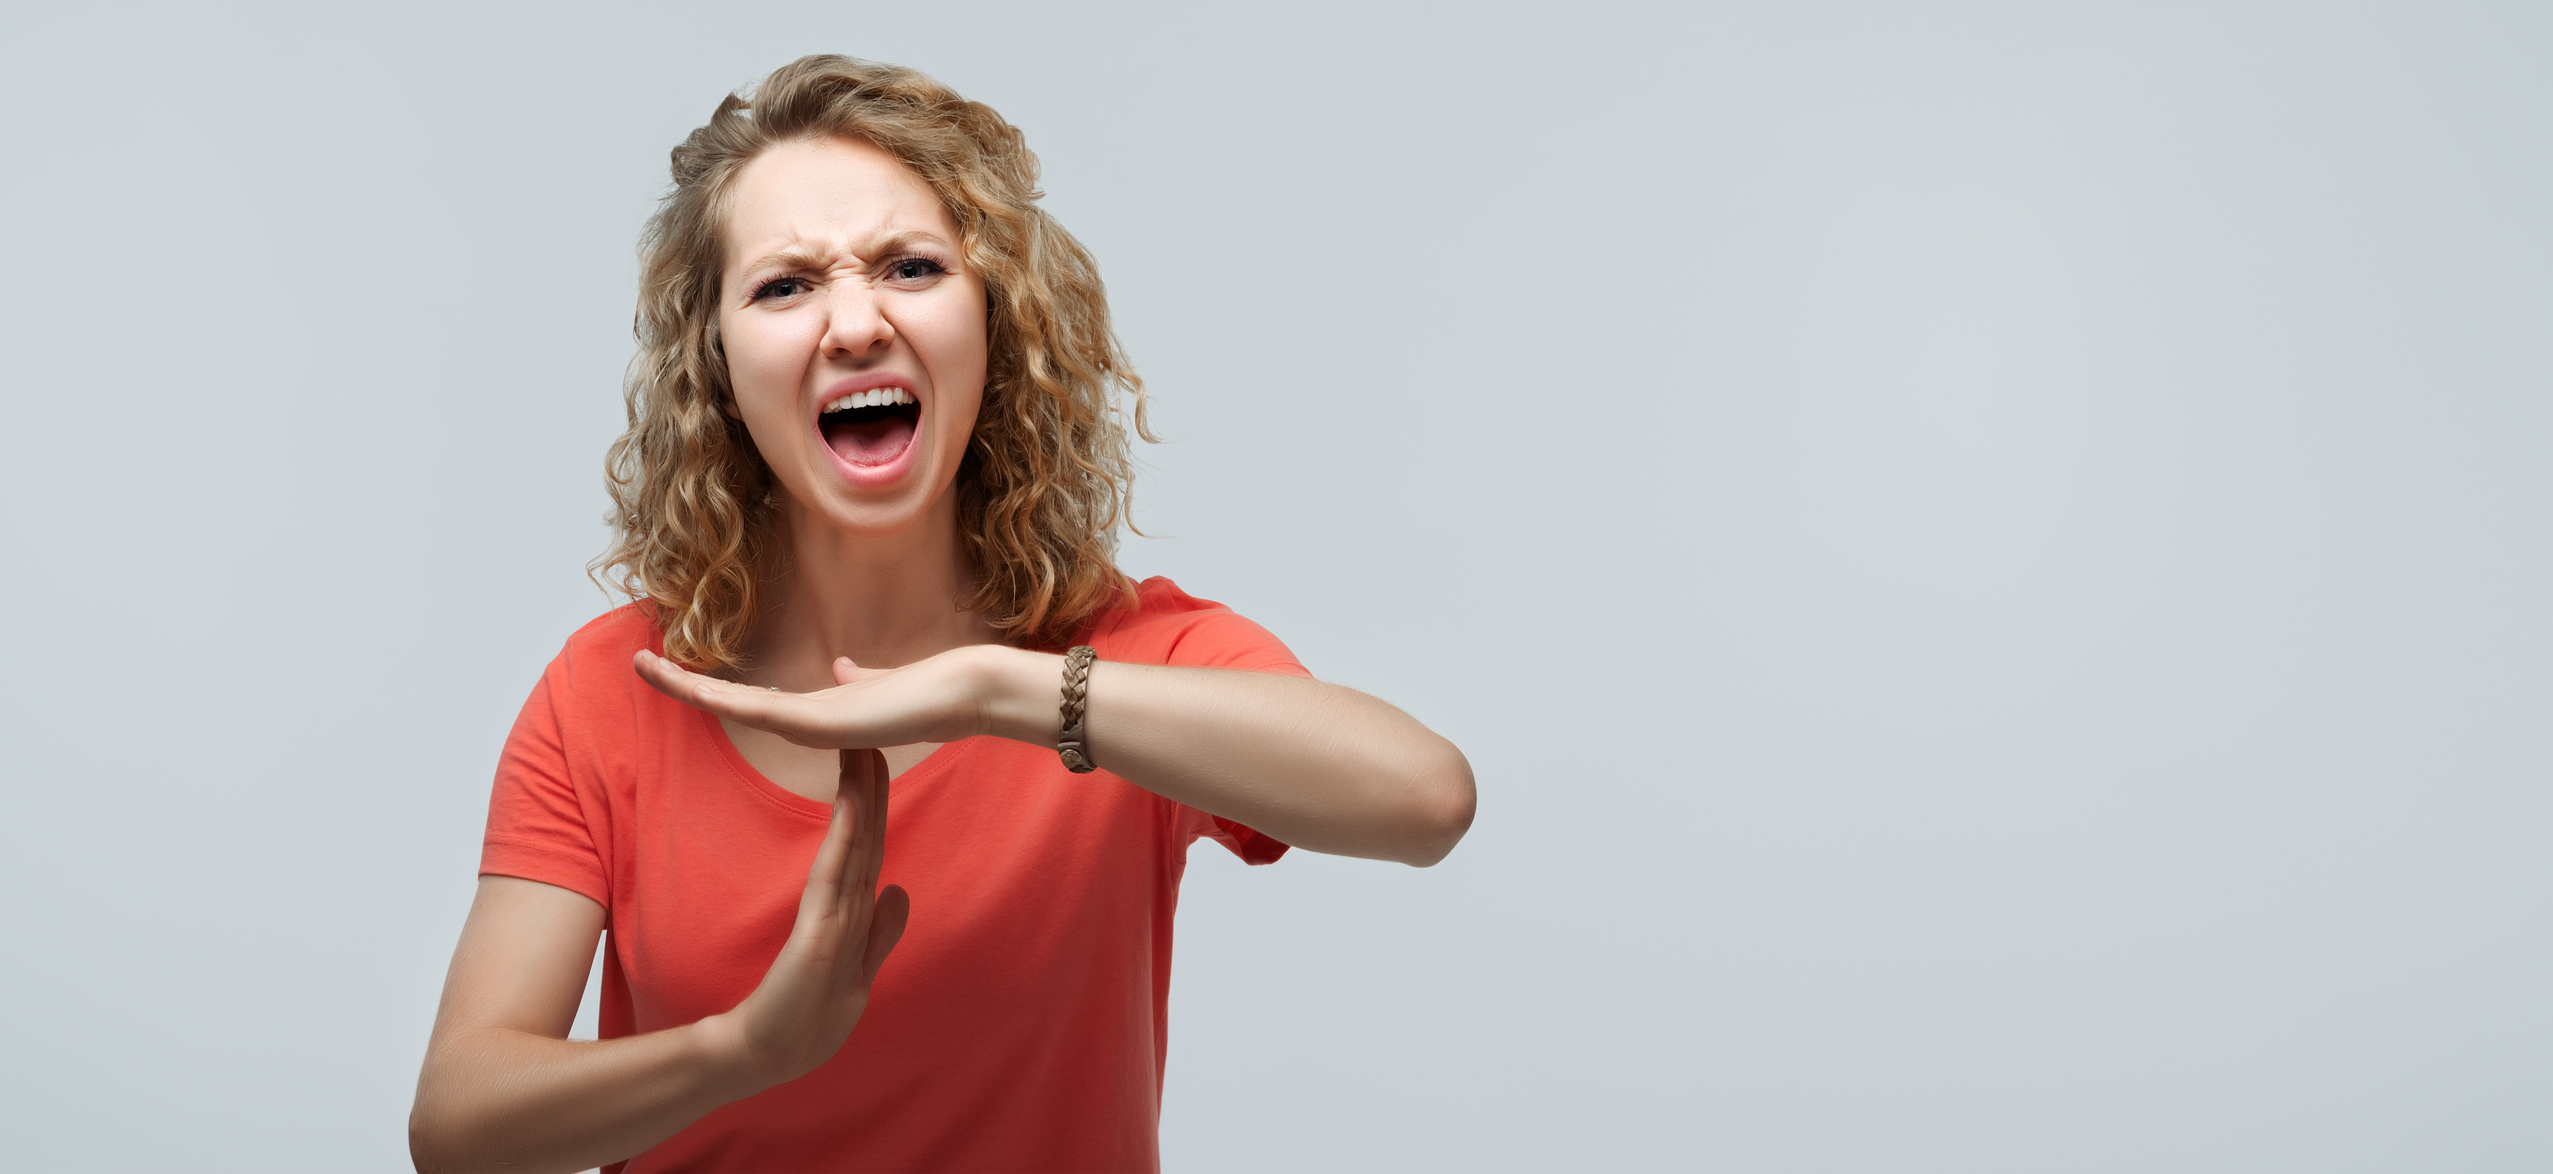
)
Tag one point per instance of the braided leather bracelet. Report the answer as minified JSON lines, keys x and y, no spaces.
{"x":1068,"y":740}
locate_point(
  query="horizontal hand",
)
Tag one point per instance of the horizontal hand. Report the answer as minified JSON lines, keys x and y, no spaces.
{"x":1316,"y":765}
{"x":938,"y":699}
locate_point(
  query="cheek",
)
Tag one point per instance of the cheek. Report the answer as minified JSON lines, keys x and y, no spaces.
{"x":764,"y":360}
{"x":952,"y":344}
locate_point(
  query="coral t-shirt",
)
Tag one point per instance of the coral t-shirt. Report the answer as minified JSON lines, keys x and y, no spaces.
{"x":1020,"y":1023}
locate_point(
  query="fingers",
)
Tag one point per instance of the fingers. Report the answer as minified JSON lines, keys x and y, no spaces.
{"x":799,"y":717}
{"x":845,"y":672}
{"x":874,"y":794}
{"x":862,"y":767}
{"x":670,"y":679}
{"x":864,"y":785}
{"x":895,"y":908}
{"x":828,"y":875}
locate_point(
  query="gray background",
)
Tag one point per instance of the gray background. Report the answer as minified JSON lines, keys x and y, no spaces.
{"x":1990,"y":559}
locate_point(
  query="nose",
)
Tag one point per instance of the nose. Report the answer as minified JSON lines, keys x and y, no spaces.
{"x":857,"y":327}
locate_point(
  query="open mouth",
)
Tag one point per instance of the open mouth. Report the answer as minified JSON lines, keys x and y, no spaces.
{"x":870,"y":427}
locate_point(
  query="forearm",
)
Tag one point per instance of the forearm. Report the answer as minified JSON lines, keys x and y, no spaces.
{"x":1319,"y":766}
{"x":501,"y":1099}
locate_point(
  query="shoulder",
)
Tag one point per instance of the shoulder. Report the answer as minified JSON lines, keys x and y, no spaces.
{"x":600,"y":651}
{"x":1169,"y":626}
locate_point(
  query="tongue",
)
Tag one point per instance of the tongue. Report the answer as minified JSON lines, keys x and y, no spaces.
{"x":873,"y":443}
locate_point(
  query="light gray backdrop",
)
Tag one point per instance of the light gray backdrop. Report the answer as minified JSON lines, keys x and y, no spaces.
{"x":1991,"y":559}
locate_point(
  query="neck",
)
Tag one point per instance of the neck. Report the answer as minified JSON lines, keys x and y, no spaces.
{"x":884,"y":600}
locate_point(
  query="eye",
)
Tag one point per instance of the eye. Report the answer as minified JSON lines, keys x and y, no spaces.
{"x":780,"y":287}
{"x":915,"y":269}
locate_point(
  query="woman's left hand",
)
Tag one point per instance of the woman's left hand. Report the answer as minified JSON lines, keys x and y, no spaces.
{"x":936,"y":699}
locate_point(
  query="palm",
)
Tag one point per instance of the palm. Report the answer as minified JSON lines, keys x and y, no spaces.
{"x":925,"y":701}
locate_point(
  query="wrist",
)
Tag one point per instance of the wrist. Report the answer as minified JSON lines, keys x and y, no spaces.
{"x":1016,"y":694}
{"x":723,"y":1055}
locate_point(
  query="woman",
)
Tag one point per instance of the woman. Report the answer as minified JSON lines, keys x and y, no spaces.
{"x":866,"y":503}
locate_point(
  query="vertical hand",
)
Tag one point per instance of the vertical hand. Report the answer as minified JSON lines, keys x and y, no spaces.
{"x":814,"y":992}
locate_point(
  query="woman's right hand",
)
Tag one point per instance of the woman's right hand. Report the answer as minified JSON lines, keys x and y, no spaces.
{"x":813,"y":994}
{"x":504,"y":1089}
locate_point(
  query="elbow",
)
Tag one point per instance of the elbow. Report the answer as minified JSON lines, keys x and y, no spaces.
{"x":429,"y":1133}
{"x":421,"y":1147}
{"x":432,"y":1148}
{"x":1444,"y":801}
{"x":434,"y":1142}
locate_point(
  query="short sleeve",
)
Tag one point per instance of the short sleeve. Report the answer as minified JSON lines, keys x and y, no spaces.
{"x":1219,"y":639}
{"x":1215,"y":637}
{"x":537,"y":827}
{"x":1250,"y":844}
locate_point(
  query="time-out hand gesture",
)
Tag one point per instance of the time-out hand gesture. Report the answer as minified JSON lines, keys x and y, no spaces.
{"x":815,"y":990}
{"x":937,"y":699}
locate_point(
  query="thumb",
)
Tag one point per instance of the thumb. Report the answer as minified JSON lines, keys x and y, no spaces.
{"x":845,"y":672}
{"x":886,"y":926}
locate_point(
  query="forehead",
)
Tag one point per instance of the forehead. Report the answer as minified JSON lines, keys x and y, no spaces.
{"x":835,"y":194}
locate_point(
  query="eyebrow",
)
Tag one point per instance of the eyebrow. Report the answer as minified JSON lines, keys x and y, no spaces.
{"x":797,"y":257}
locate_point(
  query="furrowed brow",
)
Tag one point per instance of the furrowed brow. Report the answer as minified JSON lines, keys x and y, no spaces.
{"x":899,"y":242}
{"x":785,"y":259}
{"x":886,"y":246}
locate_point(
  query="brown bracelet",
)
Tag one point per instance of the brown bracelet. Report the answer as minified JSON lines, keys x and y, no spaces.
{"x":1068,"y":740}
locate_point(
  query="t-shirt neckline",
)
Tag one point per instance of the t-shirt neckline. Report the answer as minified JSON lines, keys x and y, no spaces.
{"x":751,"y":777}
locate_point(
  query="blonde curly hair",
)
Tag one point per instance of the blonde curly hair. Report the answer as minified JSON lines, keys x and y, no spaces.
{"x":1045,"y":480}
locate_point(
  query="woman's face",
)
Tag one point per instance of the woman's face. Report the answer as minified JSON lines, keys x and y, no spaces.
{"x":855,"y":336}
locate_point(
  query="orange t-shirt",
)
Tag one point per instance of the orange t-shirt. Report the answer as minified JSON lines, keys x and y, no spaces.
{"x":1019,"y":1025}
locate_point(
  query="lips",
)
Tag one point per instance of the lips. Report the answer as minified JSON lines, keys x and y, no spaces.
{"x":869,"y":429}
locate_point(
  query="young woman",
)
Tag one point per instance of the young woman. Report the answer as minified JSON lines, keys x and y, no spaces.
{"x":866,"y":507}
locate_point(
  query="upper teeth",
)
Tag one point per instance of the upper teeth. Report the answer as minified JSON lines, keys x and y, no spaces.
{"x":871,"y":399}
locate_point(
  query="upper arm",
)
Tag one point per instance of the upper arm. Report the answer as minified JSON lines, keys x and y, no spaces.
{"x":529,"y":941}
{"x":522,"y":961}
